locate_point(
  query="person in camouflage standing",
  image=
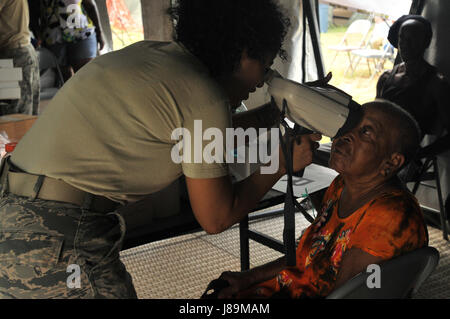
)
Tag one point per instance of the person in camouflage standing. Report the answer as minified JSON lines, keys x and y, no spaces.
{"x":15,"y":44}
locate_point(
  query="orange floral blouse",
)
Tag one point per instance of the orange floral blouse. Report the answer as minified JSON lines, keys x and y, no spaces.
{"x":387,"y":226}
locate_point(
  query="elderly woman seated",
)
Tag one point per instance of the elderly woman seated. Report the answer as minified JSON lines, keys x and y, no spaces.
{"x":367,"y":215}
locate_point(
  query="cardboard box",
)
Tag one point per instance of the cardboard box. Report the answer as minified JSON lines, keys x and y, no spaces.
{"x":9,"y":84}
{"x":10,"y":74}
{"x":6,"y":63}
{"x":16,"y":125}
{"x":9,"y":93}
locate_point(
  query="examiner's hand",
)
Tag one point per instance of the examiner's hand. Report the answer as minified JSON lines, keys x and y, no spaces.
{"x":238,"y":281}
{"x":321,"y":82}
{"x":302,"y":153}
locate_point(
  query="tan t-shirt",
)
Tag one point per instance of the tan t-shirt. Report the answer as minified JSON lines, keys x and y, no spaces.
{"x":108,"y":130}
{"x":14,"y":19}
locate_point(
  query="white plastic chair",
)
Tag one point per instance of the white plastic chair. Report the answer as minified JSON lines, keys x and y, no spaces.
{"x":358,"y":27}
{"x":378,"y":56}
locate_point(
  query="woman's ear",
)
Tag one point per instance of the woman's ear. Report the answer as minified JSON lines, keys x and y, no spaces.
{"x":245,"y":62}
{"x":393,"y":164}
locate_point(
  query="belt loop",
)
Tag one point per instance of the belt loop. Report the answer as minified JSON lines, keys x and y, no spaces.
{"x":4,"y":169}
{"x":87,"y":201}
{"x":37,"y":187}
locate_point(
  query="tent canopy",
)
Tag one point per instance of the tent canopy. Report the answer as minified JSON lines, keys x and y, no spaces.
{"x":394,"y":9}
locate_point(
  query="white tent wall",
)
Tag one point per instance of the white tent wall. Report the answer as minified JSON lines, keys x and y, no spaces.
{"x":393,"y":9}
{"x":293,"y":45}
{"x":106,"y":26}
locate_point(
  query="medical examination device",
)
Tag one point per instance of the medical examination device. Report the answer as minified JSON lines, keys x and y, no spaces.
{"x":326,"y":110}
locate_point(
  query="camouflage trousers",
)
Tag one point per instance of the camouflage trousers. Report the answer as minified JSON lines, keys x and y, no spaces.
{"x":50,"y":249}
{"x":26,"y":58}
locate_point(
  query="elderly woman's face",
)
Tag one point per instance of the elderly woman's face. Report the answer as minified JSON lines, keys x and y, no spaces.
{"x":361,"y":151}
{"x":411,"y":40}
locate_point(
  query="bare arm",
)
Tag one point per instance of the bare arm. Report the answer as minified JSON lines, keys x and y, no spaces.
{"x":218,"y":204}
{"x":353,"y":262}
{"x":240,"y":281}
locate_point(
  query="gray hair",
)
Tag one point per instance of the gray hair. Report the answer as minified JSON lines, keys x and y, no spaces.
{"x":408,"y":134}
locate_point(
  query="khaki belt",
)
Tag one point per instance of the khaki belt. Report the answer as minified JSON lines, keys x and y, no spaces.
{"x":47,"y":188}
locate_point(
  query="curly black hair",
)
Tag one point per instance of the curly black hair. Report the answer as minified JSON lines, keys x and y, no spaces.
{"x":218,"y":31}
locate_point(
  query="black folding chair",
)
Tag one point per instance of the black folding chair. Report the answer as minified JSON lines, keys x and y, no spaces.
{"x":400,"y":277}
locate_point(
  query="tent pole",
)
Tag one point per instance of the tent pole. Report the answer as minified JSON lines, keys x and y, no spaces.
{"x":417,"y":7}
{"x":313,"y":30}
{"x":105,"y":23}
{"x":304,"y":46}
{"x":156,"y":21}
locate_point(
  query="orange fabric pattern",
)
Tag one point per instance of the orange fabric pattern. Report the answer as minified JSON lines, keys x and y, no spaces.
{"x":387,"y":226}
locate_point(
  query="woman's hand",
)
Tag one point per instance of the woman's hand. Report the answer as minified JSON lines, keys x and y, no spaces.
{"x":322,"y":220}
{"x":302,"y":154}
{"x":321,"y":82}
{"x":100,"y":40}
{"x":238,"y":281}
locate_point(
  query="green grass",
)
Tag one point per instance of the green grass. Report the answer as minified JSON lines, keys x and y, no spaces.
{"x":359,"y":85}
{"x":340,"y":30}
